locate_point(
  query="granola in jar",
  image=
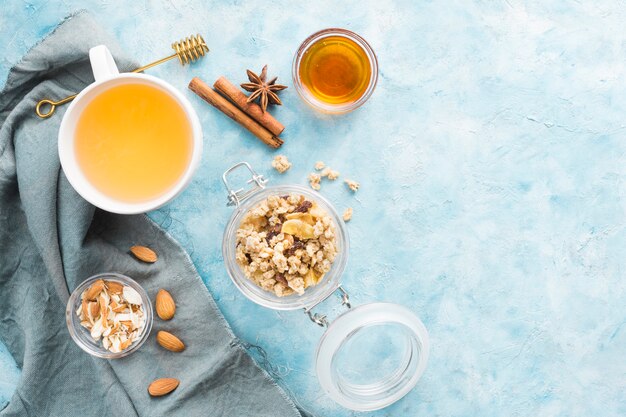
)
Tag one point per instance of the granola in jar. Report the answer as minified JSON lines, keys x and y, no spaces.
{"x":286,"y":244}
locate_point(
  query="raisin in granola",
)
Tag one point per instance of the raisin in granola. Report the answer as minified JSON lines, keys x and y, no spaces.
{"x":304,"y":207}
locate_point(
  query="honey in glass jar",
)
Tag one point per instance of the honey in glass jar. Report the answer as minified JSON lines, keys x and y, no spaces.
{"x":335,"y":70}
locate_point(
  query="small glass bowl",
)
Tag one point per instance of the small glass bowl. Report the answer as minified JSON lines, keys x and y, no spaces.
{"x":81,"y":335}
{"x":306,"y":94}
{"x":312,"y":295}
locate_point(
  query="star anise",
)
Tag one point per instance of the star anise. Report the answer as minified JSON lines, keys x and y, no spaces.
{"x":264,"y":91}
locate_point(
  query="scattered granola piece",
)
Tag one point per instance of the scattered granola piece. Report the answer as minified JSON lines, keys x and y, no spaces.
{"x":330,"y":173}
{"x":319,"y":165}
{"x":347,"y":215}
{"x":314,"y":180}
{"x":281,"y":163}
{"x":353,"y":185}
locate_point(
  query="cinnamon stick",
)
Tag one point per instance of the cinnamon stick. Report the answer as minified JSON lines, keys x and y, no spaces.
{"x":228,"y":89}
{"x":212,"y":97}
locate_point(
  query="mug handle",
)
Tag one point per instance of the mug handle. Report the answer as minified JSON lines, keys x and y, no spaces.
{"x":102,"y":63}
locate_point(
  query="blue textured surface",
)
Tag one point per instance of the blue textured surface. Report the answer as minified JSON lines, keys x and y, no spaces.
{"x":493,"y":171}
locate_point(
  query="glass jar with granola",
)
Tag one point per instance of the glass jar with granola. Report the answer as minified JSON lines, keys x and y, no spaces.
{"x":285,"y":246}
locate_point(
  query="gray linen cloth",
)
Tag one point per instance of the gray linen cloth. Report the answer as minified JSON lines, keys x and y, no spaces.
{"x":51,"y":240}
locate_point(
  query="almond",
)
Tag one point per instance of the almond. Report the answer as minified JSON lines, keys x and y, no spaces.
{"x":144,"y":254}
{"x":114,"y":287}
{"x":93,"y":308}
{"x":104,"y":310}
{"x":170,"y":342}
{"x":117,"y":308}
{"x":165,"y":306}
{"x":163,"y":386}
{"x":96,"y":288}
{"x":84,"y":309}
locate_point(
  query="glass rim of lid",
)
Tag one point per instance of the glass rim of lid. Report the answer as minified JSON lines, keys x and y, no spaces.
{"x":318,"y":104}
{"x":389,"y":388}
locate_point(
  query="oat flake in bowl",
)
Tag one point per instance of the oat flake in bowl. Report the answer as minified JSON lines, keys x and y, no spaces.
{"x":286,"y":244}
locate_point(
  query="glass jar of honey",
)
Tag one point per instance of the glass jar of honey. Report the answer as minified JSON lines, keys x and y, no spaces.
{"x":335,"y":70}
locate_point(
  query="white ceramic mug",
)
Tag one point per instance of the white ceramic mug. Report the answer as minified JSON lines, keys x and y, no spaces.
{"x":107,"y":76}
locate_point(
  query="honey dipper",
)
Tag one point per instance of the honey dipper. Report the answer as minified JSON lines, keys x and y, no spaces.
{"x":187,"y":50}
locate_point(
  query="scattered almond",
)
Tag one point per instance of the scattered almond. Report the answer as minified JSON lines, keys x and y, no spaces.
{"x":170,"y":342}
{"x":144,"y":254}
{"x":319,"y":165}
{"x":165,"y":306}
{"x":163,"y":386}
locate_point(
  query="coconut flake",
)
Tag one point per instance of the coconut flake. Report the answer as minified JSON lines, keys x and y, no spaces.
{"x":124,"y":317}
{"x":97,"y":329}
{"x":132,"y":296}
{"x":115,"y":345}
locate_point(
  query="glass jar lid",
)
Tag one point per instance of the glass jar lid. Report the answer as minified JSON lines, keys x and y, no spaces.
{"x":372,"y":355}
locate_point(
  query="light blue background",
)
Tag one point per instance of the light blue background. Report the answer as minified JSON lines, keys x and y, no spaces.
{"x":492,"y":158}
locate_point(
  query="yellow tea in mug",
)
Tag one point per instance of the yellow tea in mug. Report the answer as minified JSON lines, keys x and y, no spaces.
{"x":133,"y":142}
